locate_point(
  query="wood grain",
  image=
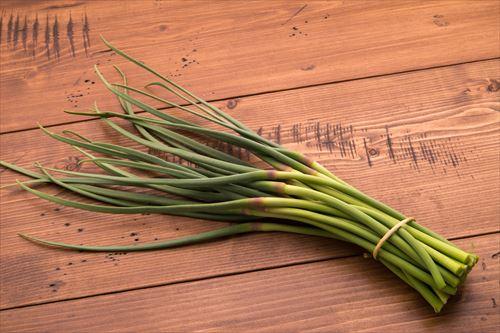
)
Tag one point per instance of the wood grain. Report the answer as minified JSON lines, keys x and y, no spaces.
{"x":235,"y":48}
{"x":448,"y":180}
{"x":343,"y":295}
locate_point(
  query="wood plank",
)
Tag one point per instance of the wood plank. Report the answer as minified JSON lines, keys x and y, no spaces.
{"x":438,"y":164}
{"x":235,"y":48}
{"x":342,"y":295}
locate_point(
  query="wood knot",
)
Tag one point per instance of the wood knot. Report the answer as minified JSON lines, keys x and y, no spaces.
{"x":71,"y":163}
{"x":232,"y":103}
{"x":494,"y":86}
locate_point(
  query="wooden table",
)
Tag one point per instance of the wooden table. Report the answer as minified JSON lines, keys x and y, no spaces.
{"x":399,"y":98}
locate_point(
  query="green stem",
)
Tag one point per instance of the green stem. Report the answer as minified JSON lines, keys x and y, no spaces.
{"x":188,"y":240}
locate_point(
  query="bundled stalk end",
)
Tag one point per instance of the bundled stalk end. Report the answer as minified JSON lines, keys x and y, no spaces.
{"x":212,"y":184}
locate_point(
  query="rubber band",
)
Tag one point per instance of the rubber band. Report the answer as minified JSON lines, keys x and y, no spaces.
{"x":388,"y":234}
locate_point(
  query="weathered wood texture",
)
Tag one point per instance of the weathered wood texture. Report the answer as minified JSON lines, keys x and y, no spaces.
{"x":225,"y":49}
{"x":425,"y":141}
{"x":438,"y":142}
{"x":343,"y":295}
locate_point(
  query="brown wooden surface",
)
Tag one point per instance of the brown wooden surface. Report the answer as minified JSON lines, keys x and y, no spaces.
{"x":425,"y":141}
{"x":450,"y":122}
{"x":227,"y":48}
{"x":342,"y":295}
